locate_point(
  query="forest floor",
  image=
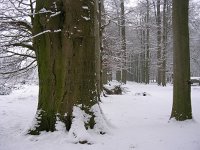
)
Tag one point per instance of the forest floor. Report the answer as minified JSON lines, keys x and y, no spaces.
{"x":136,"y":122}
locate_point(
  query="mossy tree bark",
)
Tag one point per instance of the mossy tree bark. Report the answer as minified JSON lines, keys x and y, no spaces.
{"x":68,"y":55}
{"x":181,"y":109}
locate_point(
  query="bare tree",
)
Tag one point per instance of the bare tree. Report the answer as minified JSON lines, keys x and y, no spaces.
{"x":16,"y":49}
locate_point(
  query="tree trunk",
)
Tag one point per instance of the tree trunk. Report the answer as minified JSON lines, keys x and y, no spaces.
{"x":143,"y":58}
{"x":147,"y":67}
{"x":158,"y":20}
{"x":164,"y":44}
{"x":141,"y":55}
{"x":123,"y":40}
{"x":181,"y":109}
{"x":103,"y":72}
{"x":68,"y":56}
{"x":118,"y":76}
{"x":105,"y":76}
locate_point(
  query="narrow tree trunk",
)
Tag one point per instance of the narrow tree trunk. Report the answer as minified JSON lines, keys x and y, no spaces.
{"x":119,"y":65}
{"x":158,"y":20}
{"x":139,"y":68}
{"x":103,"y":72}
{"x":105,"y":76}
{"x":181,"y":109}
{"x":118,"y":75}
{"x":68,"y":56}
{"x":164,"y":44}
{"x":123,"y":40}
{"x":143,"y":56}
{"x":132,"y":66}
{"x":142,"y":62}
{"x":135,"y":67}
{"x":147,"y":46}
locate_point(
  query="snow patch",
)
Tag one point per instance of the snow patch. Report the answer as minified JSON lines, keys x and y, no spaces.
{"x":101,"y":125}
{"x":55,"y":14}
{"x":140,"y":123}
{"x":55,"y":31}
{"x":36,"y":120}
{"x":78,"y":132}
{"x":85,"y":7}
{"x":60,"y":126}
{"x":43,"y":10}
{"x":86,"y":18}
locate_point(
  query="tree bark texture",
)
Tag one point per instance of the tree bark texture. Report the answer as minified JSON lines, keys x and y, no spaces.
{"x":68,"y":56}
{"x":181,"y":109}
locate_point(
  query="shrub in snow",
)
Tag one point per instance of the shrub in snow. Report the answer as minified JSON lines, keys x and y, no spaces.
{"x":113,"y":90}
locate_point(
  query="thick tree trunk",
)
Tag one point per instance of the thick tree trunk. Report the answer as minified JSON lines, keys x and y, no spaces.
{"x":68,"y":56}
{"x":181,"y":109}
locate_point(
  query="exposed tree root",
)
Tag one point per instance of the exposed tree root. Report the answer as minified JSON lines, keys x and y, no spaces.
{"x":81,"y":122}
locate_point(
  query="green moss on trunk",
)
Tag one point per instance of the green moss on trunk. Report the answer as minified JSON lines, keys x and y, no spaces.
{"x":68,"y":59}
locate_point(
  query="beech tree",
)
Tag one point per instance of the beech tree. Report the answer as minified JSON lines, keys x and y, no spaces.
{"x":181,"y":109}
{"x":66,"y":40}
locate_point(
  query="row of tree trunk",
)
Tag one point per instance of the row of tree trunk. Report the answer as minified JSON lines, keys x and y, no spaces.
{"x":142,"y":68}
{"x":67,"y":41}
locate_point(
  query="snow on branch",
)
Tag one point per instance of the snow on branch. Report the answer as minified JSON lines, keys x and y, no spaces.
{"x":20,"y":70}
{"x":55,"y":14}
{"x":44,"y":11}
{"x":46,"y":31}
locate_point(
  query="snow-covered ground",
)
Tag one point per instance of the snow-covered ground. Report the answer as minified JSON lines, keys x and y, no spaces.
{"x":136,"y":122}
